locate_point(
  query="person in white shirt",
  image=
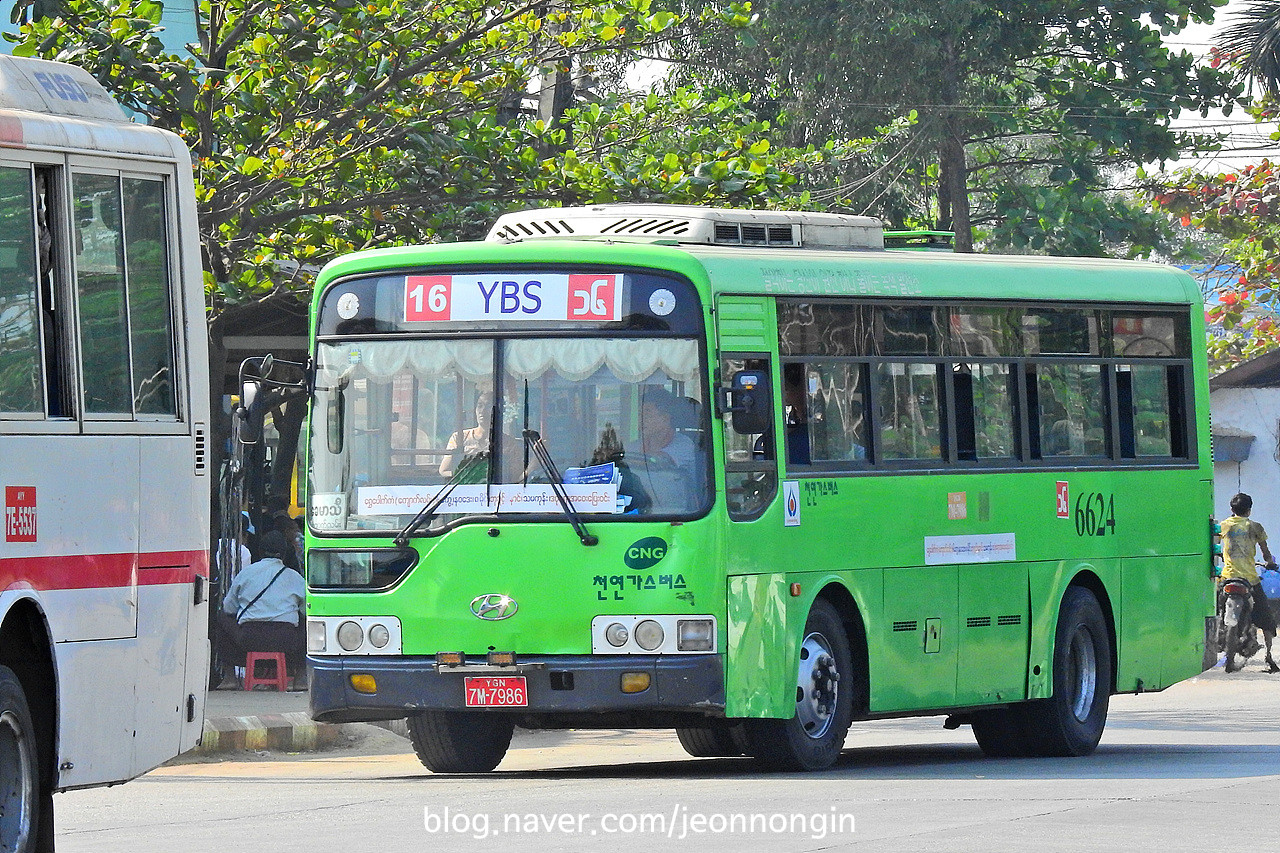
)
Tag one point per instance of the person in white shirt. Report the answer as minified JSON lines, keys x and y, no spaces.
{"x":262,"y":609}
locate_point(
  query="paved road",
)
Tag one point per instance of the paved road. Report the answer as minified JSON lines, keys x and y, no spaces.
{"x":1193,"y":768}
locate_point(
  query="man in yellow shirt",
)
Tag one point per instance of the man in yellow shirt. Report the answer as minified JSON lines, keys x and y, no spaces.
{"x":1241,"y":537}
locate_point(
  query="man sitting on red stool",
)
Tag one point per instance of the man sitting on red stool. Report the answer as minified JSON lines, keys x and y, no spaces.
{"x":262,"y":610}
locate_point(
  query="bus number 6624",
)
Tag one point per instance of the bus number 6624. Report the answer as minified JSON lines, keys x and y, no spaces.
{"x":1095,"y":514}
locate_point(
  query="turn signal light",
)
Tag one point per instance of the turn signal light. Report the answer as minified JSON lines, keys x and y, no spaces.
{"x":364,"y":683}
{"x":450,"y":658}
{"x":635,"y":682}
{"x":502,"y":658}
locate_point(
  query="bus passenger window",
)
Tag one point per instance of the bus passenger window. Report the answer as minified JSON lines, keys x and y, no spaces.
{"x":99,"y":265}
{"x":984,"y":411}
{"x":21,"y":375}
{"x":833,"y":398}
{"x":1072,"y":410}
{"x":908,"y":410}
{"x":150,"y":302}
{"x":1145,"y":422}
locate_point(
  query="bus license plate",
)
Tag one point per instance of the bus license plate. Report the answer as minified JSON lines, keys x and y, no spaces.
{"x":502,"y":692}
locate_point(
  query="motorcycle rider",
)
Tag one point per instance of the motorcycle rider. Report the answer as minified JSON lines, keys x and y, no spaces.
{"x":1240,"y":537}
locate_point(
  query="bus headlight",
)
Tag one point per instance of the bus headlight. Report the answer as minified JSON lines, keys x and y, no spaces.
{"x":617,"y":634}
{"x":695,"y":635}
{"x":649,"y":635}
{"x":653,"y":634}
{"x":353,"y":635}
{"x":350,"y":636}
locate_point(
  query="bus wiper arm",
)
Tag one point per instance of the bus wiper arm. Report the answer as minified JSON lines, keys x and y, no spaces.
{"x":534,"y":440}
{"x":428,"y":510}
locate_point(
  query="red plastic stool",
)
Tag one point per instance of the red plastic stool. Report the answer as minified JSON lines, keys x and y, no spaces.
{"x":251,"y":679}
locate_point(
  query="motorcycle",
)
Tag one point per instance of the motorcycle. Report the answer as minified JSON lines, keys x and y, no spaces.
{"x":1237,"y":635}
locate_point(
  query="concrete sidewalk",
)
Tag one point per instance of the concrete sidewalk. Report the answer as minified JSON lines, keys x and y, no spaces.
{"x":238,"y":720}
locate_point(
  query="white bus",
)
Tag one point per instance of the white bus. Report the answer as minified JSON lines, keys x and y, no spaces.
{"x":103,"y":411}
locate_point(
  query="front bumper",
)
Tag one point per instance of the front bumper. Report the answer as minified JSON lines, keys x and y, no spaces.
{"x":561,"y":684}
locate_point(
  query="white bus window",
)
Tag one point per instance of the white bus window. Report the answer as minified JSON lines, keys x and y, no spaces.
{"x":907,"y":410}
{"x":21,"y":376}
{"x":1072,"y":410}
{"x":99,"y":265}
{"x":150,"y":302}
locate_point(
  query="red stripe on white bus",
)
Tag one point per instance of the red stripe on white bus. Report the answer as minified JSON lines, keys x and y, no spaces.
{"x":102,"y":571}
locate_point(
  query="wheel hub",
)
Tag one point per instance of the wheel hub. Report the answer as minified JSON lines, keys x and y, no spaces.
{"x":17,"y":794}
{"x":1082,"y":675}
{"x":817,"y":687}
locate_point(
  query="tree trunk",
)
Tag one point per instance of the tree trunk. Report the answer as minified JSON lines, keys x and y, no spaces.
{"x":951,"y":159}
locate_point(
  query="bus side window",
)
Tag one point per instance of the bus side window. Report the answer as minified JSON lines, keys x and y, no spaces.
{"x":751,"y":470}
{"x":21,"y":378}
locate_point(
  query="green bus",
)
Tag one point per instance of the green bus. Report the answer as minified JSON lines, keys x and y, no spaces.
{"x":752,"y":477}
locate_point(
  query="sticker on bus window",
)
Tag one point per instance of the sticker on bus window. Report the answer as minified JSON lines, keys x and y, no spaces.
{"x":329,"y":512}
{"x":20,"y":513}
{"x":513,"y":296}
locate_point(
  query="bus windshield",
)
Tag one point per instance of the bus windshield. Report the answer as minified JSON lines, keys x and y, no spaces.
{"x":624,"y":420}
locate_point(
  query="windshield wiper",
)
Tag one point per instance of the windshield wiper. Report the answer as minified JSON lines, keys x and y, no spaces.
{"x":428,"y":510}
{"x":534,"y":440}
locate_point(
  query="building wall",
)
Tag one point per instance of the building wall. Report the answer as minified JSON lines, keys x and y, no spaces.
{"x":1255,"y":410}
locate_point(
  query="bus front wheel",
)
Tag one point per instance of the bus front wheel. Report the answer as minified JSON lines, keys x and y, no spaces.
{"x":714,"y":740}
{"x":460,"y":741}
{"x":813,"y":737}
{"x":1070,"y":722}
{"x":20,"y":797}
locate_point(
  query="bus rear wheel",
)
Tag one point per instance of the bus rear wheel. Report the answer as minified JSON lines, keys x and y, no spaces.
{"x":1070,"y":723}
{"x":20,"y":795}
{"x":814,"y":735}
{"x":460,"y":741}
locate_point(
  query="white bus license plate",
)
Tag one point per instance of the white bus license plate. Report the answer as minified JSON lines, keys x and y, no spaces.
{"x":506,"y":691}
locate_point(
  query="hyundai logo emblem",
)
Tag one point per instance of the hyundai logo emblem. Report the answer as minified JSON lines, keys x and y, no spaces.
{"x":494,"y":606}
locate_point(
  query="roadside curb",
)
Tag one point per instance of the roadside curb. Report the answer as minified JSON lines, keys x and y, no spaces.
{"x":293,"y":731}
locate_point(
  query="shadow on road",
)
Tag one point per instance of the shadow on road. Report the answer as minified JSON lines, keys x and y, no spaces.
{"x":942,"y":762}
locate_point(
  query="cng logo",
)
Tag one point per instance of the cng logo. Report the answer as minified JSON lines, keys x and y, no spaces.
{"x":646,"y":552}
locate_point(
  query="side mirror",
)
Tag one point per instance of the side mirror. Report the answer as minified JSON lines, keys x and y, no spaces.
{"x":748,"y":398}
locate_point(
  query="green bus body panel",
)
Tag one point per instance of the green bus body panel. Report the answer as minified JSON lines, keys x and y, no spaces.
{"x":938,"y":636}
{"x":552,"y":577}
{"x":761,"y":648}
{"x":745,"y":324}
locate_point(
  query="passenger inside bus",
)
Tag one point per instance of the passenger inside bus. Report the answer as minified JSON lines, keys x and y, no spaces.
{"x":797,"y":414}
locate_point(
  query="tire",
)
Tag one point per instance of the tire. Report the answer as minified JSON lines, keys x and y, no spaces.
{"x":21,"y":794}
{"x":1002,"y":732}
{"x":813,"y":737}
{"x":1235,"y":639}
{"x":460,"y":741}
{"x":1070,"y":723}
{"x":714,"y":741}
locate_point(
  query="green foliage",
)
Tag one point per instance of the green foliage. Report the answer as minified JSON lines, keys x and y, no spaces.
{"x":322,"y":128}
{"x":1049,"y":100}
{"x":1243,"y":208}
